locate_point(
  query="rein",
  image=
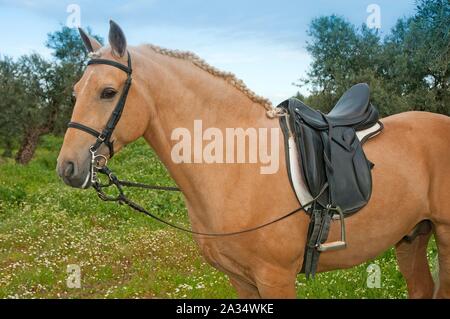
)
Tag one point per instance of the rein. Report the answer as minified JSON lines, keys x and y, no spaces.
{"x":123,"y":199}
{"x":99,"y":165}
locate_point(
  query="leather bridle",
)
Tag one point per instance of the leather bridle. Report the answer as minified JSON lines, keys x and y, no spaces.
{"x":105,"y":136}
{"x":99,"y":163}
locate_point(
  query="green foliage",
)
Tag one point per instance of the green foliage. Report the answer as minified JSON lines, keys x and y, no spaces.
{"x":407,"y":70}
{"x":11,"y":101}
{"x":37,"y":76}
{"x":45,"y":226}
{"x":36,"y":93}
{"x":71,"y":57}
{"x":67,"y":45}
{"x":12,"y":194}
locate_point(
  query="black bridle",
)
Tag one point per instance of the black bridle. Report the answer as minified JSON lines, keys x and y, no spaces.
{"x":99,"y":163}
{"x":105,"y":136}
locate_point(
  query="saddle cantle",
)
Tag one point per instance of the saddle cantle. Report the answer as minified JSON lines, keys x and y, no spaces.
{"x":332,"y":162}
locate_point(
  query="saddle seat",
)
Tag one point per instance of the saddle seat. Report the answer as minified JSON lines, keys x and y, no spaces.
{"x":353,"y":110}
{"x":332,"y":162}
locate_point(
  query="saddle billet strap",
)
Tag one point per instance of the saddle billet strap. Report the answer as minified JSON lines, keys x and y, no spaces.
{"x":319,"y":229}
{"x":310,"y":248}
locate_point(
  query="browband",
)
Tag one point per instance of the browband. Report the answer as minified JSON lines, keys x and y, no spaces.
{"x":112,"y":63}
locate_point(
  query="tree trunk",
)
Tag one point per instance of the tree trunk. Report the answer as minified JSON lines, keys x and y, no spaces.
{"x":29,"y":144}
{"x":32,"y":134}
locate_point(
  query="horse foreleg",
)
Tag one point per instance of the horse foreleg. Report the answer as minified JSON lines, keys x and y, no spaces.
{"x":277,"y":285}
{"x":244,"y":290}
{"x":413,"y":263}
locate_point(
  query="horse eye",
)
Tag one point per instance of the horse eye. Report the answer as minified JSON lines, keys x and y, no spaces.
{"x":108,"y":93}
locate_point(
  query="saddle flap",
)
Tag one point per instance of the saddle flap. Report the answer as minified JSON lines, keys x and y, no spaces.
{"x":350,"y":181}
{"x":311,"y":150}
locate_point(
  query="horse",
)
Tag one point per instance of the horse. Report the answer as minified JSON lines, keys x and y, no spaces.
{"x":172,"y":89}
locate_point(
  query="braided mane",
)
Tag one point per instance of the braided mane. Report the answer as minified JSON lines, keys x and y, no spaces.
{"x":227,"y":76}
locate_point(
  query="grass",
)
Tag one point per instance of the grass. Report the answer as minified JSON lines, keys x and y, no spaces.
{"x":46,"y":226}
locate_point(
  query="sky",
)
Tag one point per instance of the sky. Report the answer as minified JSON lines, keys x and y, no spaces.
{"x":262,"y":42}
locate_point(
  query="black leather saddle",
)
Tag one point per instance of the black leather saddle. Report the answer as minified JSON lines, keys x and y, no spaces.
{"x":332,"y":162}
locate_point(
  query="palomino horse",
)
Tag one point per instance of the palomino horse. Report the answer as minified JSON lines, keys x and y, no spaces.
{"x":171,"y":89}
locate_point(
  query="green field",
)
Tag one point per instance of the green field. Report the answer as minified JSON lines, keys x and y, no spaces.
{"x":46,"y":226}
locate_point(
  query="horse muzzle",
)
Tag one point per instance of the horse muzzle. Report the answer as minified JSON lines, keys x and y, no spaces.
{"x":74,"y":174}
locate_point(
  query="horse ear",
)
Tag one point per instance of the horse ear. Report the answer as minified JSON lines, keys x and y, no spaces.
{"x":117,"y":39}
{"x":90,"y":43}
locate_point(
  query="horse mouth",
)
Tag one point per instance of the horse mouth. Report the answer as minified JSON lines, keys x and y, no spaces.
{"x":81,"y":183}
{"x":73,"y":175}
{"x":87,"y":182}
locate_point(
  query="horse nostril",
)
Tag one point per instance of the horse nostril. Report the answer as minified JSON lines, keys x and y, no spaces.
{"x":69,"y":169}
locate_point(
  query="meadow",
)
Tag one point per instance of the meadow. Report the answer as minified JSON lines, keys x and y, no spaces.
{"x":46,"y":226}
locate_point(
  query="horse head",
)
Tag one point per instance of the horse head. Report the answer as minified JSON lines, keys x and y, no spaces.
{"x":103,"y":95}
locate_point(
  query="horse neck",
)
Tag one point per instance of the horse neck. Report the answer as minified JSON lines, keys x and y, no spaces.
{"x":182,"y":93}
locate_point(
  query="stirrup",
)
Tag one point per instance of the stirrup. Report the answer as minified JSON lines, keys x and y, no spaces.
{"x":340,"y":244}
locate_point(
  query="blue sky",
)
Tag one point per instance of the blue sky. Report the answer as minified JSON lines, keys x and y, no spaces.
{"x":262,"y":42}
